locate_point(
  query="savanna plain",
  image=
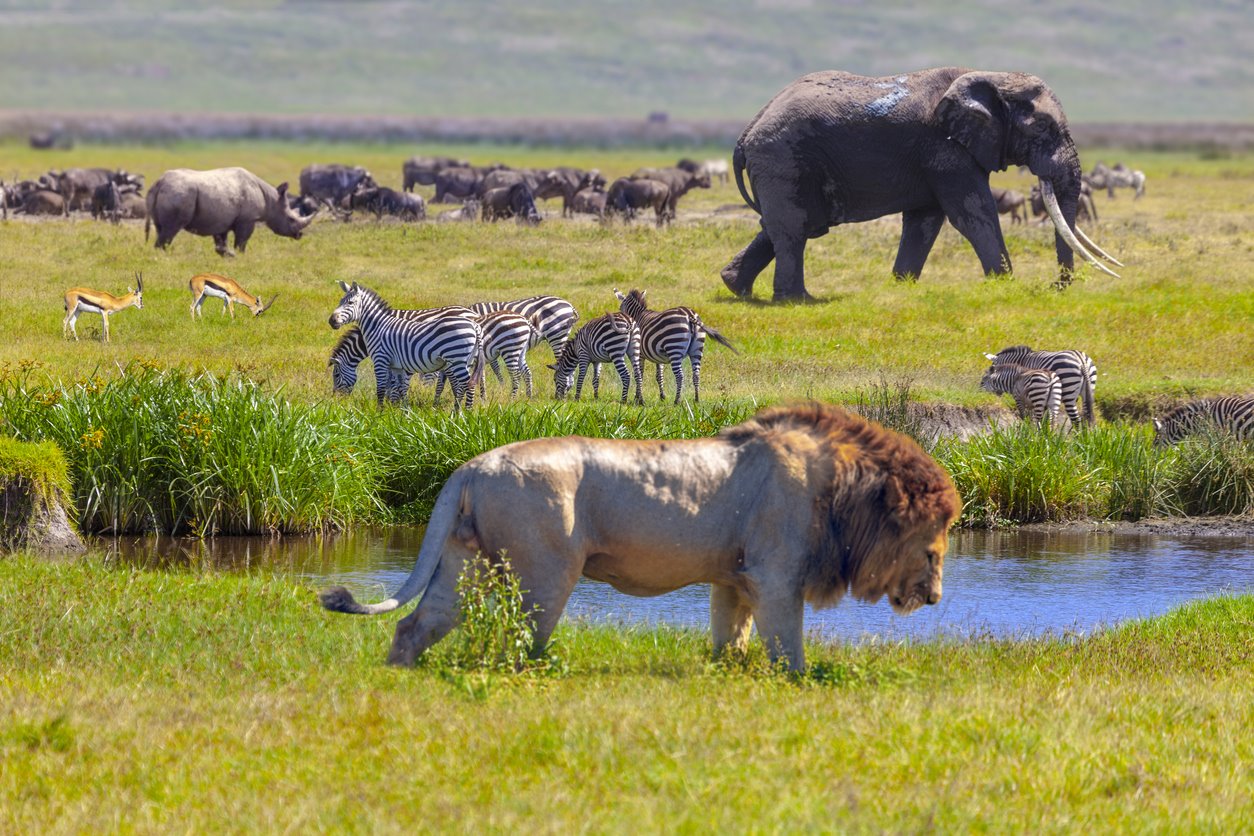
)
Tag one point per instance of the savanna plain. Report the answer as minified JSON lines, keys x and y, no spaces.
{"x":142,"y":700}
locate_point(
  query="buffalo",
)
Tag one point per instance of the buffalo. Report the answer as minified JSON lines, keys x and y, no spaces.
{"x":383,"y":201}
{"x":422,"y":170}
{"x":333,"y":183}
{"x":216,"y":202}
{"x":514,"y":201}
{"x":627,"y":196}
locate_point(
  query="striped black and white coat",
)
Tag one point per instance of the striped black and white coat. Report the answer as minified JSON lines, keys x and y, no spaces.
{"x":1037,"y":392}
{"x":1233,"y":415}
{"x":351,"y":349}
{"x":610,"y":338}
{"x":557,"y":316}
{"x":1076,"y":371}
{"x":400,"y":347}
{"x":668,"y":336}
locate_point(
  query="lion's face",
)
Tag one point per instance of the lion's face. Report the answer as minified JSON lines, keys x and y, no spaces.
{"x":906,"y":567}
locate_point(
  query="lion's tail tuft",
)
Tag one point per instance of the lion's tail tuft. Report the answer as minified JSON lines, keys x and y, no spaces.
{"x":339,"y":599}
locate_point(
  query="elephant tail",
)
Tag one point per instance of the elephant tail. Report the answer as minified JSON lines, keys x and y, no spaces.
{"x":451,"y":517}
{"x":738,"y":164}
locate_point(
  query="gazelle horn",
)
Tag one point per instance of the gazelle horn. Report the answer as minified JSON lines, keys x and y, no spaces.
{"x":1060,"y":224}
{"x":268,"y":304}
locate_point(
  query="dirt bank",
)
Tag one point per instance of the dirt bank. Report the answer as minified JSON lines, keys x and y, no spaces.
{"x":1240,"y":528}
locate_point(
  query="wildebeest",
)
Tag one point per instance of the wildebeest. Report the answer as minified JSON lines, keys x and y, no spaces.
{"x":383,"y":201}
{"x":504,"y":177}
{"x":333,"y":182}
{"x":105,"y":201}
{"x":514,"y":201}
{"x":589,"y":201}
{"x":1012,"y":202}
{"x":459,"y":183}
{"x":565,"y":182}
{"x":42,"y":202}
{"x":78,"y":185}
{"x":1086,"y":209}
{"x":679,"y":182}
{"x":131,"y":205}
{"x":712,"y":168}
{"x":627,"y":196}
{"x":216,"y":202}
{"x":422,"y":170}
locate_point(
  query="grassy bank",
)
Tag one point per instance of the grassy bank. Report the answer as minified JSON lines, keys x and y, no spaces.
{"x":156,"y":701}
{"x":154,"y":449}
{"x":1174,"y":325}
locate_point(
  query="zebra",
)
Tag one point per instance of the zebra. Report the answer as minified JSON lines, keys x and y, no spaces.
{"x":611,"y":337}
{"x":1232,"y":414}
{"x":400,"y":347}
{"x":351,"y":349}
{"x":557,"y":316}
{"x":669,"y":336}
{"x":508,"y":335}
{"x":1076,"y":371}
{"x":1037,"y":392}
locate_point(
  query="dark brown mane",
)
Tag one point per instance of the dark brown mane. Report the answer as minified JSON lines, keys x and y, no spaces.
{"x":883,"y":484}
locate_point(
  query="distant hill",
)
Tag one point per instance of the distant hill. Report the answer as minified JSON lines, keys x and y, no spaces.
{"x":1114,"y":61}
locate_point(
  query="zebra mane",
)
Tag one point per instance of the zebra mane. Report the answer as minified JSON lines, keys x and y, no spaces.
{"x":637,"y":297}
{"x":343,"y":346}
{"x":378,"y":300}
{"x":1015,"y":348}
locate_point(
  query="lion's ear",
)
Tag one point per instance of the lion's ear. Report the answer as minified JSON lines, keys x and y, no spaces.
{"x":895,"y":498}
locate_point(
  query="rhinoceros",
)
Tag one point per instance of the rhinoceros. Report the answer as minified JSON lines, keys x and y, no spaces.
{"x":216,"y":202}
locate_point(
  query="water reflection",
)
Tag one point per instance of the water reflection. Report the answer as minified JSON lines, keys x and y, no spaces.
{"x":1010,"y":583}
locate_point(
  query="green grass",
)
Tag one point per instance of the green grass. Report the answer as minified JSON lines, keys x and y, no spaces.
{"x":139,"y":700}
{"x":1174,"y":325}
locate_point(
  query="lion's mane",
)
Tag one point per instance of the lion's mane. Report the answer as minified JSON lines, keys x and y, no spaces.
{"x":877,"y":485}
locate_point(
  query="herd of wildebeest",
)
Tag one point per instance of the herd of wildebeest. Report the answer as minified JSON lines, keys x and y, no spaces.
{"x":427,"y":342}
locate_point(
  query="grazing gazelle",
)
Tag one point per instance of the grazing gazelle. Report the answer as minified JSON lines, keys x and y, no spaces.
{"x":80,"y":299}
{"x":228,"y":290}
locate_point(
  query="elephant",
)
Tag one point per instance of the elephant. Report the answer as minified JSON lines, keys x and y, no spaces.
{"x":216,"y":202}
{"x":835,"y":148}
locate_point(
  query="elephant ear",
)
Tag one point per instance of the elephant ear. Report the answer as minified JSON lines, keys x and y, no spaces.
{"x":973,"y":114}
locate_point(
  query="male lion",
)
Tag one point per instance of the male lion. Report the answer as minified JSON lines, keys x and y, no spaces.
{"x":798,"y":504}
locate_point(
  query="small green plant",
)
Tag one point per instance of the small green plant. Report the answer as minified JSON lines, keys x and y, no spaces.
{"x":496,"y":633}
{"x":891,"y":404}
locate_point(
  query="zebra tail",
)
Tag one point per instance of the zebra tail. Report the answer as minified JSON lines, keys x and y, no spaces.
{"x":451,"y":507}
{"x":477,"y":367}
{"x":719,"y":338}
{"x":738,"y":165}
{"x":1086,"y":395}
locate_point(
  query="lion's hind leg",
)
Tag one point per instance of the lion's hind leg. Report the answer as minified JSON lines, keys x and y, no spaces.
{"x":731,"y":619}
{"x":436,"y":614}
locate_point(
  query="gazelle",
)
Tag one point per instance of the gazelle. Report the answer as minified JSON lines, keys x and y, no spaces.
{"x":228,"y":290}
{"x":80,"y":299}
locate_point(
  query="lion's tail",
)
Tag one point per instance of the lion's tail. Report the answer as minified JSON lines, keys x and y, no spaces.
{"x":445,"y":518}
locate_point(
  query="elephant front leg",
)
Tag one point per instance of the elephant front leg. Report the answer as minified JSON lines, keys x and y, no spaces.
{"x":973,"y":212}
{"x":743,"y":270}
{"x":919,"y":228}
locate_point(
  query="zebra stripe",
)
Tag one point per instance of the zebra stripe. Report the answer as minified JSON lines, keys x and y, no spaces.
{"x":557,"y":316}
{"x":1037,"y":392}
{"x":668,"y":336}
{"x":1076,"y":371}
{"x":611,"y":337}
{"x":351,"y":349}
{"x":1234,"y":415}
{"x":401,"y":347}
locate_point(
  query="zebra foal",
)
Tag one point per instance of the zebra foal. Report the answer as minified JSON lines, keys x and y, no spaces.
{"x":1076,"y":372}
{"x":610,"y":338}
{"x":557,"y":316}
{"x":1037,"y":392}
{"x":351,"y":349}
{"x":668,"y":336}
{"x":1234,"y":415}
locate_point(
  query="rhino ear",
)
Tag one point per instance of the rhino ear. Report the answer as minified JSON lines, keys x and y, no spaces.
{"x":282,"y":190}
{"x":973,"y":114}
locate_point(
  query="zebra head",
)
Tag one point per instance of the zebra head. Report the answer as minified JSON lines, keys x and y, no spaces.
{"x":564,"y":370}
{"x":350,"y":307}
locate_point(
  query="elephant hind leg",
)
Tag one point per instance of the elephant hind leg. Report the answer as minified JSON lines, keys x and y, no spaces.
{"x":790,"y":283}
{"x":919,"y":228}
{"x":741,"y":272}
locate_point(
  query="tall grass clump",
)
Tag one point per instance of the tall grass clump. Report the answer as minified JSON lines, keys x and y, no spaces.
{"x":1134,"y":475}
{"x":1212,"y":473}
{"x":891,"y":404}
{"x":1021,"y":474}
{"x":152,"y":449}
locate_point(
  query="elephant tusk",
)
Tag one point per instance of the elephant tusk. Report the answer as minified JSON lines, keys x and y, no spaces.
{"x":1088,"y":242}
{"x":1060,"y":224}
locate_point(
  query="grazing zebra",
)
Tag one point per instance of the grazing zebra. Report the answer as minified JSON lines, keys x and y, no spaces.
{"x":1037,"y":392}
{"x":508,"y":335}
{"x":611,"y":337}
{"x":557,"y":316}
{"x":669,"y":336}
{"x":351,"y":349}
{"x":1233,"y":414}
{"x":1075,"y":369}
{"x":400,"y":347}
